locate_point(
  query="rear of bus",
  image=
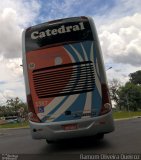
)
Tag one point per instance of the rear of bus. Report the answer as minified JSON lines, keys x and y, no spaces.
{"x":65,"y":80}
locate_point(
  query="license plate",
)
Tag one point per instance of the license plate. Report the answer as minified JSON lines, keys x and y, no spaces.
{"x":70,"y":127}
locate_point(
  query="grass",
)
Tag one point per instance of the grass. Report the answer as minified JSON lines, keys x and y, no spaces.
{"x":125,"y":114}
{"x":14,"y":125}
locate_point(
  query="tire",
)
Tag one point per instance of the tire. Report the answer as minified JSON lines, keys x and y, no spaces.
{"x":100,"y":136}
{"x":48,"y":141}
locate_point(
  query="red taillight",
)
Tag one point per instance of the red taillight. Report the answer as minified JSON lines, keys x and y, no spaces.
{"x":106,"y":103}
{"x":31,"y":115}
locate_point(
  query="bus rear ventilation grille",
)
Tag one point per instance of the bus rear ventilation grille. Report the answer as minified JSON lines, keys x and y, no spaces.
{"x":62,"y":80}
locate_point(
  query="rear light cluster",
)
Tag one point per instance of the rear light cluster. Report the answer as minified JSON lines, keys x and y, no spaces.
{"x":106,"y":103}
{"x":32,"y":115}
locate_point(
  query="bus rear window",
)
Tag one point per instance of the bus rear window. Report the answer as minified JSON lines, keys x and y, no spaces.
{"x":57,"y":34}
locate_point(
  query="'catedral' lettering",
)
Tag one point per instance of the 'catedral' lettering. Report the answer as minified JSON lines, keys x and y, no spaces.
{"x":53,"y":32}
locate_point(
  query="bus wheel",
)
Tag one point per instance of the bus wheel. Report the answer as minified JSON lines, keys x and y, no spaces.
{"x":48,"y":141}
{"x":100,"y":136}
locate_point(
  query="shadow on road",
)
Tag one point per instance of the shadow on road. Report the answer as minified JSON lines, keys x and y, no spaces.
{"x":77,"y":145}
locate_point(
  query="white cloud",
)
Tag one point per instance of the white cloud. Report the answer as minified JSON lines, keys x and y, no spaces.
{"x":121,"y":72}
{"x":11,"y":78}
{"x":10,"y":34}
{"x":121,"y":40}
{"x":14,"y":16}
{"x":27,"y":11}
{"x":9,"y":94}
{"x":14,"y":66}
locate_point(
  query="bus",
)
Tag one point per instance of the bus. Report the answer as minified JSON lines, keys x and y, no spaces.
{"x":65,"y":80}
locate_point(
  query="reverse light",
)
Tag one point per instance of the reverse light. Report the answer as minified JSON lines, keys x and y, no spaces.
{"x":107,"y":106}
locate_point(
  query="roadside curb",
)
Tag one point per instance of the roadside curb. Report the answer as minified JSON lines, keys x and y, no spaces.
{"x":27,"y":127}
{"x":127,"y":118}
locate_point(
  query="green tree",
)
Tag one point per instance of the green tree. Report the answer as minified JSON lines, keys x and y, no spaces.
{"x":13,"y":103}
{"x":113,"y":88}
{"x":130,"y":96}
{"x":12,"y":107}
{"x":135,"y":77}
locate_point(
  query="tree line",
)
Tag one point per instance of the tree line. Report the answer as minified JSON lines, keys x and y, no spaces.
{"x":13,"y":107}
{"x":128,"y":96}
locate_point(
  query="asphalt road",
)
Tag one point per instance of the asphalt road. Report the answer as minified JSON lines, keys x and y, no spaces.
{"x":125,"y":139}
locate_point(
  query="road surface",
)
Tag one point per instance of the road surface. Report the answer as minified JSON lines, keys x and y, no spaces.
{"x":125,"y":139}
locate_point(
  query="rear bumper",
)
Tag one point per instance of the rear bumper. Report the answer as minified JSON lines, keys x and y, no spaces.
{"x":87,"y":127}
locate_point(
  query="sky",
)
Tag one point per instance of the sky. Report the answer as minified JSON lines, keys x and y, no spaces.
{"x":118,"y":24}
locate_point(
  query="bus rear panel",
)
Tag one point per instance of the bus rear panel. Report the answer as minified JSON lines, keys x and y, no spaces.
{"x":65,"y":80}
